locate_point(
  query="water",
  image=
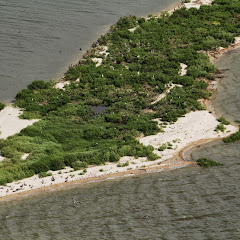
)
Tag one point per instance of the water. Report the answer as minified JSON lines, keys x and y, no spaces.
{"x":227,"y":97}
{"x":33,"y":32}
{"x":189,"y":203}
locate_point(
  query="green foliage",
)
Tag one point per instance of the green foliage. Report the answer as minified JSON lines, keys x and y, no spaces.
{"x":204,"y":162}
{"x":223,"y":121}
{"x":2,"y":106}
{"x":162,"y":148}
{"x":39,"y":84}
{"x":233,"y":138}
{"x":220,"y":127}
{"x":123,"y":164}
{"x":44,"y":174}
{"x":77,"y":165}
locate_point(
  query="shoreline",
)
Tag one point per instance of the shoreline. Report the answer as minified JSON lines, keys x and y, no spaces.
{"x":168,"y":161}
{"x":113,"y":176}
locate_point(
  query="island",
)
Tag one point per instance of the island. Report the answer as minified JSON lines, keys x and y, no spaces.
{"x":133,"y":104}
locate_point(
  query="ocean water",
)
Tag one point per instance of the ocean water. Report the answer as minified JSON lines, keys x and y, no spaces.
{"x":33,"y":32}
{"x":188,"y":203}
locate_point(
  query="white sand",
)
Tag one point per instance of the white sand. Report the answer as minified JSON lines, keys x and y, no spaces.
{"x":98,"y":61}
{"x":24,"y":156}
{"x":183,"y":70}
{"x":197,"y":3}
{"x":237,"y":40}
{"x":61,"y":85}
{"x":103,"y":53}
{"x":132,"y":29}
{"x":10,"y":123}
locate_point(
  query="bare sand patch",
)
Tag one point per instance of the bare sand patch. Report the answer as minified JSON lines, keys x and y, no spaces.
{"x":10,"y":123}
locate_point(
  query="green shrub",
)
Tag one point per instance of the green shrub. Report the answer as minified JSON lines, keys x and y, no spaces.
{"x":39,"y":84}
{"x":163,"y":147}
{"x":123,"y":164}
{"x":204,"y":162}
{"x":40,"y":166}
{"x":234,"y":137}
{"x":114,"y":157}
{"x":2,"y":106}
{"x":220,"y":127}
{"x":44,"y":174}
{"x":77,"y":165}
{"x":223,"y":121}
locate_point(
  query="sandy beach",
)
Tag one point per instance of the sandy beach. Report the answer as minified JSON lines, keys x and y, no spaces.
{"x":10,"y":123}
{"x":193,"y":129}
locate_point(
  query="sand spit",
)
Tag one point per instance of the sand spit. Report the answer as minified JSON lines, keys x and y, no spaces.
{"x":193,"y":127}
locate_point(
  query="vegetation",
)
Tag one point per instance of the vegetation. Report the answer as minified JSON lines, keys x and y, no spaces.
{"x":141,"y":65}
{"x":220,"y":127}
{"x":233,"y":138}
{"x":44,"y":174}
{"x":167,"y":145}
{"x":2,"y":106}
{"x":123,"y":164}
{"x":204,"y":162}
{"x":223,"y":121}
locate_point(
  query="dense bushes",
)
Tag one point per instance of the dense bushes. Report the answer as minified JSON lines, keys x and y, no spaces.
{"x":223,"y":121}
{"x":204,"y":162}
{"x":39,"y":84}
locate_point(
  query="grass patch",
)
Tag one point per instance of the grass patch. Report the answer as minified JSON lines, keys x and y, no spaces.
{"x":205,"y":162}
{"x":223,"y":121}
